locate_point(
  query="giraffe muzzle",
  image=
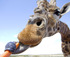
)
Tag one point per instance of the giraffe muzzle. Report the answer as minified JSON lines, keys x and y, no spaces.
{"x":33,"y":33}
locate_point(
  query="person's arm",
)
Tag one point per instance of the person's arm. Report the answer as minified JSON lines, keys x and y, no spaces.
{"x":6,"y":54}
{"x":9,"y":50}
{"x":14,"y":48}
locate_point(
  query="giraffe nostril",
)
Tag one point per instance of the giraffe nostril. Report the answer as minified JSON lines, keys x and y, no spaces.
{"x":39,"y":23}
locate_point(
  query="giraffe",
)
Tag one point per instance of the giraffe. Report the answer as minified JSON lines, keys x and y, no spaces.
{"x":46,"y":22}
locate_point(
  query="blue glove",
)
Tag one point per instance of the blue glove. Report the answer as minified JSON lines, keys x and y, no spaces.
{"x":11,"y":46}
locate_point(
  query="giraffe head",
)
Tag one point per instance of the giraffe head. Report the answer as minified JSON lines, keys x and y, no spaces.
{"x":43,"y":22}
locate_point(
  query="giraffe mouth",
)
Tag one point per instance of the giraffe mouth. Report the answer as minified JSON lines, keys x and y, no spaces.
{"x":29,"y":35}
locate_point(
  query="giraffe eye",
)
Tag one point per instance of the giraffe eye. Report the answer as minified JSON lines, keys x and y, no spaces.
{"x":39,"y":23}
{"x":57,"y":12}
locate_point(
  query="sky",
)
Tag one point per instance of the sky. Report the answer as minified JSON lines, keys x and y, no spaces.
{"x":14,"y":15}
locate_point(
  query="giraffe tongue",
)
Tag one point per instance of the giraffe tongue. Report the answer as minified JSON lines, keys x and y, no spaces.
{"x":21,"y":48}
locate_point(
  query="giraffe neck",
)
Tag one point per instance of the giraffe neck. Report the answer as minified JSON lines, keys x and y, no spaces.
{"x":62,"y":28}
{"x":64,"y":31}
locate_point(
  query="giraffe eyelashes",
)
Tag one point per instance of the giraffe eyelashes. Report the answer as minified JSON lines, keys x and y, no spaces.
{"x":38,"y":21}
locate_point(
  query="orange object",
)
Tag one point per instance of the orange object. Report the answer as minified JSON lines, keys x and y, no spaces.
{"x":17,"y":44}
{"x":7,"y":53}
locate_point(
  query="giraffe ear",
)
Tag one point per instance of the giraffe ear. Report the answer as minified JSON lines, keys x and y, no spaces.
{"x":65,"y":9}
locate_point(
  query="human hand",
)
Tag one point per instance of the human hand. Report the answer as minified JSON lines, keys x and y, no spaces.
{"x":10,"y":46}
